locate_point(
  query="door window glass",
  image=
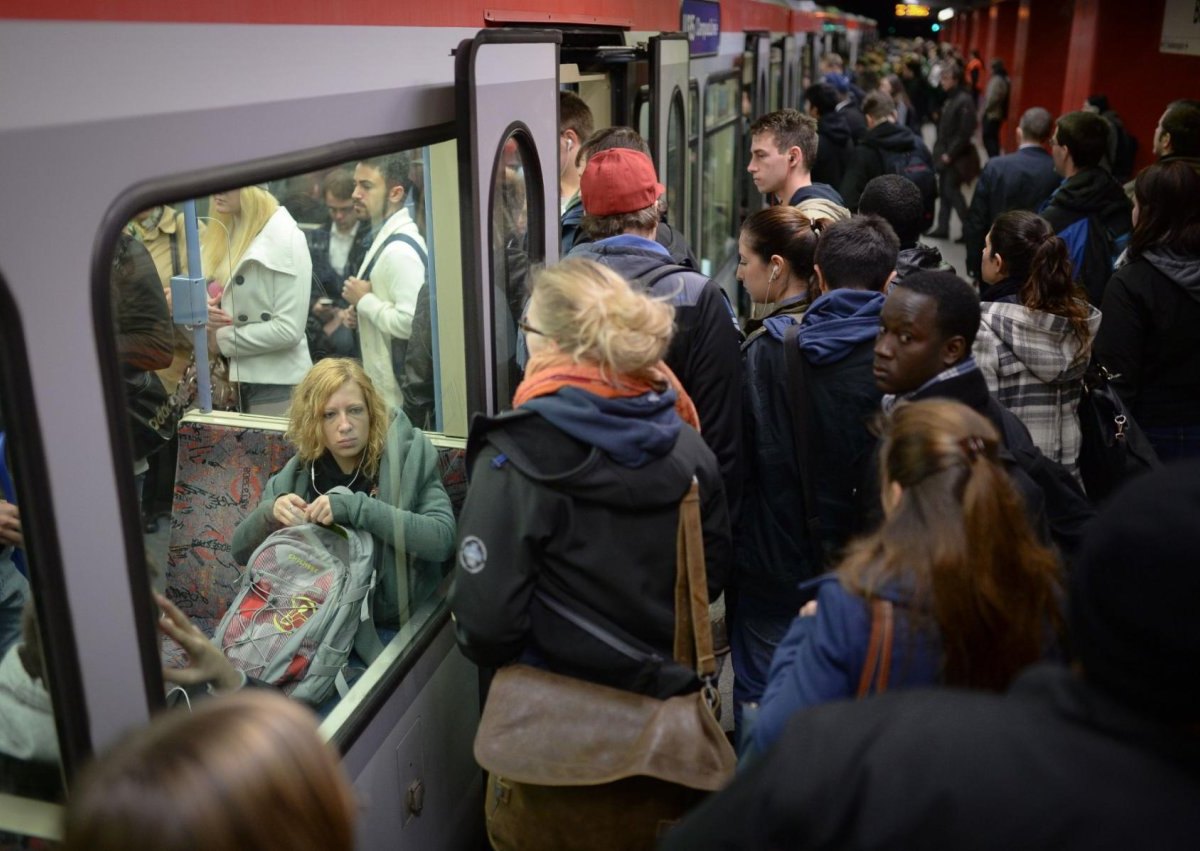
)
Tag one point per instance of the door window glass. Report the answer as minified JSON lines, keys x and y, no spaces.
{"x":676,"y":186}
{"x":721,"y":172}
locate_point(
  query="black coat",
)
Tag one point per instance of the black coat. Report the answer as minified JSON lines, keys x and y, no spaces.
{"x":1149,"y":338}
{"x":774,"y":552}
{"x":1053,"y":764}
{"x":867,"y":160}
{"x":956,"y":126}
{"x":855,"y":120}
{"x":1022,"y":180}
{"x":327,"y":281}
{"x":1091,"y":192}
{"x":546,"y":511}
{"x":833,"y":149}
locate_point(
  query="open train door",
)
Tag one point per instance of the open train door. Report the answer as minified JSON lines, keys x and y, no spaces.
{"x":791,"y":72}
{"x":508,"y":177}
{"x":669,"y":58}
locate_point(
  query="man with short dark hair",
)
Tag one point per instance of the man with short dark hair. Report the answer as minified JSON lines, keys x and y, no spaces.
{"x":783,"y":146}
{"x":898,"y":201}
{"x":817,"y":384}
{"x":887,"y":148}
{"x":833,"y":134}
{"x":1104,"y":754}
{"x":1089,"y":210}
{"x":926,"y":329}
{"x":1022,"y":180}
{"x":620,"y":193}
{"x":1177,"y":135}
{"x":954,"y":152}
{"x":575,"y":126}
{"x":384,"y":291}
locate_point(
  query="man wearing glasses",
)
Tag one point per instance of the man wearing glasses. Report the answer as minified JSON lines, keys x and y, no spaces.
{"x":338,"y":249}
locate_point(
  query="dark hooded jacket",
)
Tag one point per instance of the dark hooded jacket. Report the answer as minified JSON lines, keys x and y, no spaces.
{"x":571,"y":223}
{"x":774,"y":549}
{"x":1148,"y":337}
{"x":868,"y":159}
{"x":704,"y":351}
{"x":921,"y":258}
{"x":833,"y":149}
{"x":1092,"y":193}
{"x":578,"y":497}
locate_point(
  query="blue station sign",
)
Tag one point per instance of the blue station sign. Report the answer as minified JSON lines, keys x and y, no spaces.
{"x":701,"y":20}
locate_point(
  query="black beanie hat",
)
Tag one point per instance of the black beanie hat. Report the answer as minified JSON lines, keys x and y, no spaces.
{"x":1135,"y":595}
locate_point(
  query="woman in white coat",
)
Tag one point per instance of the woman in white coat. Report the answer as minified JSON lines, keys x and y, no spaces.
{"x":257,"y":256}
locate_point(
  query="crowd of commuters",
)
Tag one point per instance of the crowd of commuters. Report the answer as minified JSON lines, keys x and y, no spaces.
{"x":892,"y":460}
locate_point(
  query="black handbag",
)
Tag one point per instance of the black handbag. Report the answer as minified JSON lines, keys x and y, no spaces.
{"x":152,"y":415}
{"x":1112,"y":447}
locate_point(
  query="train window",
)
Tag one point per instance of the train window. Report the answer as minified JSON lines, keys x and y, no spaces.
{"x":29,"y":755}
{"x":512,"y":188}
{"x":676,"y":187}
{"x":325,"y":305}
{"x":722,"y":102}
{"x":641,"y":111}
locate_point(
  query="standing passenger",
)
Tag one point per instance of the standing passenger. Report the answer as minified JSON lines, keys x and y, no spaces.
{"x":783,"y":148}
{"x":1035,"y":337}
{"x":256,"y":253}
{"x":575,"y":125}
{"x":620,"y":195}
{"x":954,"y":152}
{"x":384,"y":292}
{"x":575,"y":493}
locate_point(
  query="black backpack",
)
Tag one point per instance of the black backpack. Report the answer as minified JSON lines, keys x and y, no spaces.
{"x":914,"y":165}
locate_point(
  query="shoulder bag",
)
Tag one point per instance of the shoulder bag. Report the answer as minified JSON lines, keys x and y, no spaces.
{"x":1112,"y":447}
{"x":576,"y":765}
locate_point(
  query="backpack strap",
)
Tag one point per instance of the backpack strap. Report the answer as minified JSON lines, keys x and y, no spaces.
{"x":878,"y":665}
{"x":396,"y":237}
{"x":651,"y":278}
{"x":802,"y":417}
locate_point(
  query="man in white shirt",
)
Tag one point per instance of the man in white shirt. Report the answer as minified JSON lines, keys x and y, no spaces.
{"x":384,"y":292}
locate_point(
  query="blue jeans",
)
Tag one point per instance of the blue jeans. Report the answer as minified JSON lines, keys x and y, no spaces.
{"x":1174,"y":443}
{"x":752,"y":641}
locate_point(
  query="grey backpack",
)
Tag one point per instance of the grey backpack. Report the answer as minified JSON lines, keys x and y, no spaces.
{"x":304,"y":604}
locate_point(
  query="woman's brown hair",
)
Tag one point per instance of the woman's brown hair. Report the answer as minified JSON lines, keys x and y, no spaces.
{"x":1168,"y":213}
{"x":958,"y":537}
{"x":1039,"y":259}
{"x":784,"y":230}
{"x":246,"y":770}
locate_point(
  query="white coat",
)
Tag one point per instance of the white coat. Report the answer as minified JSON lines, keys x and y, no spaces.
{"x":267,"y":295}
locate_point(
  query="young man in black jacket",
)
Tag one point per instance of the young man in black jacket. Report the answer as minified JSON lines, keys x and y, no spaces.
{"x":887,"y":143}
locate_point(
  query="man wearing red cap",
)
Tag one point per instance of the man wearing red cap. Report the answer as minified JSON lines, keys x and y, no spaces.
{"x":620,"y":201}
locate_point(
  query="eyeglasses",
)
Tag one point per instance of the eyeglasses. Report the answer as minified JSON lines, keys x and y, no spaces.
{"x":529,"y":329}
{"x":340,"y":211}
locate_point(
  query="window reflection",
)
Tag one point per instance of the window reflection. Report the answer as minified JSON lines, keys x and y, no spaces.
{"x":510,"y":262}
{"x":675,"y":163}
{"x":721,"y":173}
{"x":318,"y":286}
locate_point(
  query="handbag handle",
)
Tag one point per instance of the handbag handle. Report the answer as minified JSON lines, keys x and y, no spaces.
{"x":879,"y":650}
{"x":693,"y":629}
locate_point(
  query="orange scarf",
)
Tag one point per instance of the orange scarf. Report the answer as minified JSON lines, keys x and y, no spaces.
{"x":550,"y":372}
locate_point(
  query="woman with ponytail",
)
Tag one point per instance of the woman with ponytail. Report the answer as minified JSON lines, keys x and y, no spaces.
{"x":575,"y":493}
{"x":260,"y":279}
{"x":974,"y":597}
{"x":1036,"y":332}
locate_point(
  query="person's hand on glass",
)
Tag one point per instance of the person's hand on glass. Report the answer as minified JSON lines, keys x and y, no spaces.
{"x":206,"y":662}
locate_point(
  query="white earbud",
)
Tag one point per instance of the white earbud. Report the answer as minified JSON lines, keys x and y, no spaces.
{"x":570,"y":144}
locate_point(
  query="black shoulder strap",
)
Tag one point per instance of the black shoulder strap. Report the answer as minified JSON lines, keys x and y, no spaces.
{"x":396,"y":237}
{"x":799,"y":401}
{"x":651,"y":278}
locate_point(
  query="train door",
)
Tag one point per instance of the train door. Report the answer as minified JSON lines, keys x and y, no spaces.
{"x":508,"y":164}
{"x":756,"y":95}
{"x":669,"y":124}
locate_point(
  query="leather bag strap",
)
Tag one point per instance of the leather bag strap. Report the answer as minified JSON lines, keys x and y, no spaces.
{"x":693,"y":629}
{"x":874,"y":678}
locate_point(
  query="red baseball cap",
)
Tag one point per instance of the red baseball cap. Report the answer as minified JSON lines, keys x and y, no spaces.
{"x":617,"y":181}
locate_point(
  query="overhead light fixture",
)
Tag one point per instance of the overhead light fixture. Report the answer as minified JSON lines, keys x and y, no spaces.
{"x":946,"y":14}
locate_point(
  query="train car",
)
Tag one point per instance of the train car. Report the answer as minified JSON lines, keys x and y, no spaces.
{"x":109,"y":116}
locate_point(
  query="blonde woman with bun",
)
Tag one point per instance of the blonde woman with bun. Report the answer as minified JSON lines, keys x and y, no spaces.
{"x":575,"y":493}
{"x":260,"y":279}
{"x":246,"y":770}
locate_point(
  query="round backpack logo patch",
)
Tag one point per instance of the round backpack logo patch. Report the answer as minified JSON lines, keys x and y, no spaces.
{"x":472,"y":554}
